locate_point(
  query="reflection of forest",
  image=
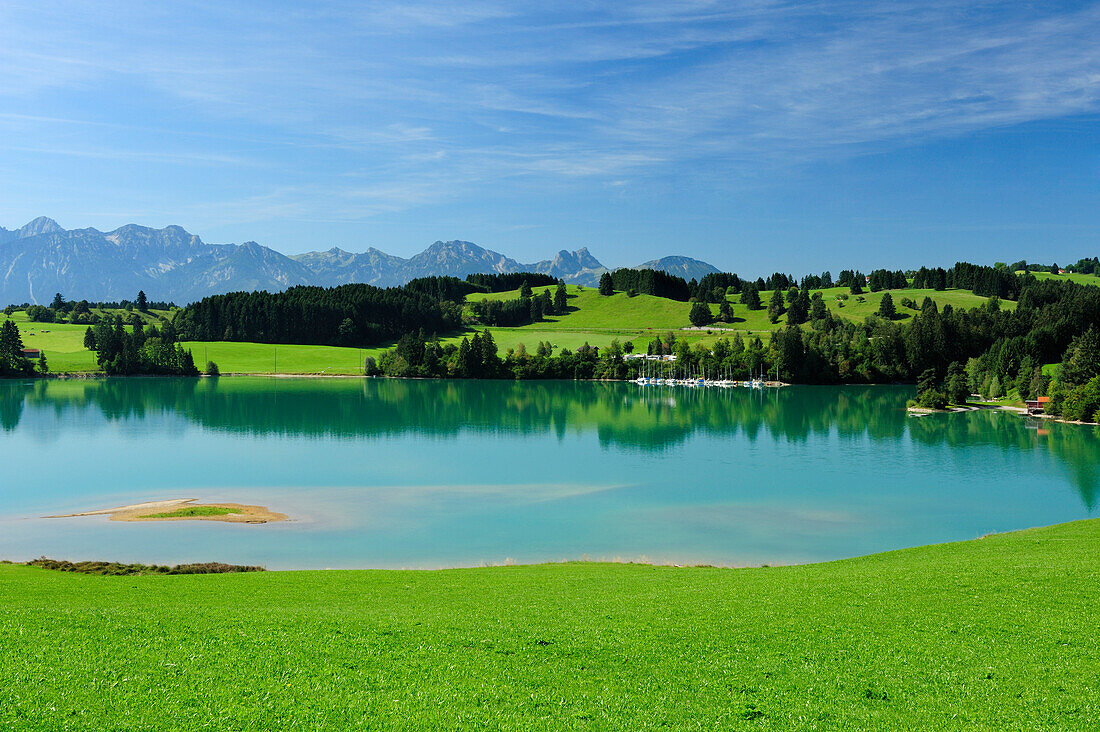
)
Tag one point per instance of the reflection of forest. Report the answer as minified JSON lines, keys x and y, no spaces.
{"x":623,"y":415}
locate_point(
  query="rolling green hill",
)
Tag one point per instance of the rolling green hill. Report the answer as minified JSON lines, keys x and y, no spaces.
{"x":995,"y":633}
{"x":1081,"y":279}
{"x":64,"y":342}
{"x":592,"y":319}
{"x":597,"y":319}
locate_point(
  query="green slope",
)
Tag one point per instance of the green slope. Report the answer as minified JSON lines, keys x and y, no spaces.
{"x":996,"y":633}
{"x":592,"y":319}
{"x":597,"y":319}
{"x":1081,"y":279}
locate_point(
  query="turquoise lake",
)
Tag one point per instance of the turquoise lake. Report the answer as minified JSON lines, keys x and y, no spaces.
{"x":389,"y":473}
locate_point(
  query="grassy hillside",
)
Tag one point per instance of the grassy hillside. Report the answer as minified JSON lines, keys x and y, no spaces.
{"x":593,"y":318}
{"x":996,"y":633}
{"x":262,"y":358}
{"x":1081,"y":279}
{"x":597,"y":319}
{"x":63,"y":342}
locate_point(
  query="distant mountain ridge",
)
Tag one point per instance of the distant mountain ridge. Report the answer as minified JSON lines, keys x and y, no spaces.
{"x":171,"y":264}
{"x":686,"y":267}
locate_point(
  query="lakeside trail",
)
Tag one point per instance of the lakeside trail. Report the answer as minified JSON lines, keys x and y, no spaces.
{"x":184,"y":509}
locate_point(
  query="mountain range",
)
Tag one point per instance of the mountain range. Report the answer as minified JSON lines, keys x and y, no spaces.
{"x":170,"y":264}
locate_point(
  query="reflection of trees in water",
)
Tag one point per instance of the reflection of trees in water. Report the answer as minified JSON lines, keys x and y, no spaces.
{"x":1075,"y":447}
{"x":622,"y":415}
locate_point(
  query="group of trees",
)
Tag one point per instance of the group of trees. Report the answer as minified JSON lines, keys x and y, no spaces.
{"x":645,"y":282}
{"x":12,"y":360}
{"x":1086,"y":265}
{"x":80,"y":312}
{"x":527,"y":308}
{"x":477,"y":357}
{"x":123,"y":350}
{"x":348,"y":315}
{"x":503,"y":282}
{"x":1076,"y":393}
{"x":999,"y":280}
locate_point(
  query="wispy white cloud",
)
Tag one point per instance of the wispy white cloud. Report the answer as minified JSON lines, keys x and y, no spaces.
{"x":422,"y":96}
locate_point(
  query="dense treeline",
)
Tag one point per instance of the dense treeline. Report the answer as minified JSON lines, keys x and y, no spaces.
{"x":1076,"y":393}
{"x":442,"y":288}
{"x":477,"y":357}
{"x":1001,"y":281}
{"x":348,"y":315}
{"x":650,"y":282}
{"x":1086,"y":265}
{"x":126,"y":351}
{"x":505,"y":281}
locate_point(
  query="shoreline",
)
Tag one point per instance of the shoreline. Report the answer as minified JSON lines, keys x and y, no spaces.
{"x":642,"y":561}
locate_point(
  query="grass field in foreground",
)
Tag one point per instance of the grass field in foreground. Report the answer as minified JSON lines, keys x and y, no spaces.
{"x":996,"y":633}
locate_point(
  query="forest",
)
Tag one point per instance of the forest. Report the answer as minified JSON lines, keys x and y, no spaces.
{"x":347,"y":315}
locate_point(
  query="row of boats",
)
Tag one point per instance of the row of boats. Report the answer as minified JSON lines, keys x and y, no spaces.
{"x":702,"y":382}
{"x":723,"y":379}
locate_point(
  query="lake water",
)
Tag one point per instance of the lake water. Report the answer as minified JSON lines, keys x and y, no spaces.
{"x":386,"y":473}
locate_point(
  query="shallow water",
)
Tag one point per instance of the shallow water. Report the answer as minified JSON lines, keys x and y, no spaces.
{"x":386,"y":473}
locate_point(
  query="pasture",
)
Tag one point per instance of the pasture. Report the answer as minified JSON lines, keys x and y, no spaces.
{"x":994,"y":633}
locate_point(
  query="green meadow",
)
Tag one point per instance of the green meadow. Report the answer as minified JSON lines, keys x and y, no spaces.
{"x":1081,"y":279}
{"x":598,"y":319}
{"x":592,"y":319}
{"x":995,"y":633}
{"x":64,"y":342}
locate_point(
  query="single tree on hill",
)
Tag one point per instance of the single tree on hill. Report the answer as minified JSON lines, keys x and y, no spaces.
{"x":700,"y":314}
{"x":775,"y":307}
{"x":799,"y":311}
{"x":725,"y":312}
{"x":525,"y":289}
{"x":142,"y":301}
{"x":607,"y":287}
{"x":750,"y":296}
{"x":560,"y":299}
{"x":818,"y":311}
{"x":886,"y":307}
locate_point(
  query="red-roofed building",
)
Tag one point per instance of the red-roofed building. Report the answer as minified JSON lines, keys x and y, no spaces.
{"x":1037,"y":406}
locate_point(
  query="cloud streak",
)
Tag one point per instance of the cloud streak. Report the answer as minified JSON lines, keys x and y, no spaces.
{"x":421,"y":96}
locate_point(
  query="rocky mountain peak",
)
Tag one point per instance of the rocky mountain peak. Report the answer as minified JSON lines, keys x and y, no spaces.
{"x":41,"y":225}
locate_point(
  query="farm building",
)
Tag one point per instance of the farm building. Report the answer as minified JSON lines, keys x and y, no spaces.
{"x":1036,"y":406}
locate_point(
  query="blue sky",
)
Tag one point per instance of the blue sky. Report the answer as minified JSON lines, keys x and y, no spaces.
{"x":760,"y":135}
